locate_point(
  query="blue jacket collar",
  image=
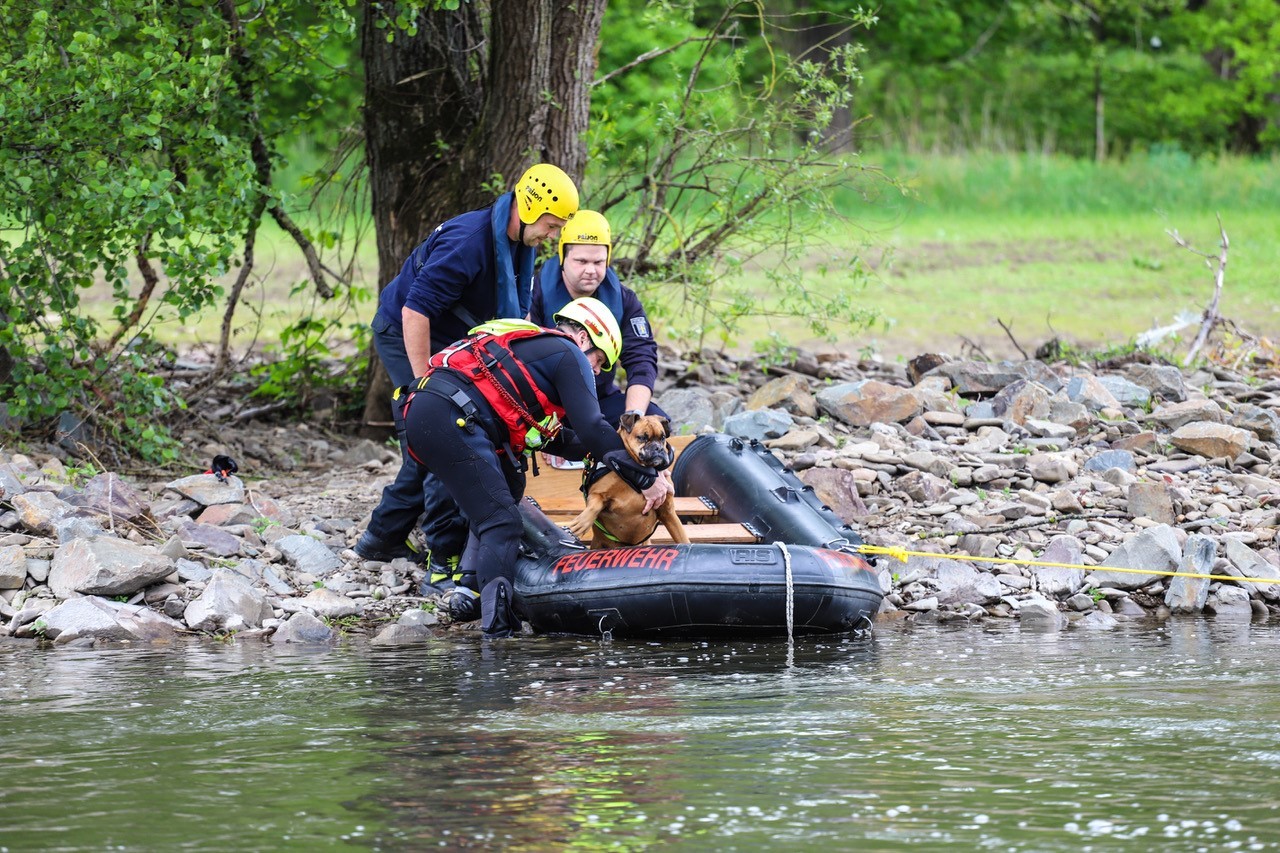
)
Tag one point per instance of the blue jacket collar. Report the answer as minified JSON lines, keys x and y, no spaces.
{"x":555,"y":295}
{"x":515,"y":274}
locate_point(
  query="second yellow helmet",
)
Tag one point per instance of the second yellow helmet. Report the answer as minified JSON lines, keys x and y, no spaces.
{"x":589,"y":227}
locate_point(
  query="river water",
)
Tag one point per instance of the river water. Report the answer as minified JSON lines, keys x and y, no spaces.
{"x":923,"y":737}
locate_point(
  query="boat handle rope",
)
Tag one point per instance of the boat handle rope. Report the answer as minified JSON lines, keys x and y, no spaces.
{"x":791,"y":588}
{"x":901,"y":555}
{"x":791,"y":602}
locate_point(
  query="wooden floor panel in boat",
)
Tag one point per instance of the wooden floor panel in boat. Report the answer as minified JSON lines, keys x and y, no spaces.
{"x":558,"y":493}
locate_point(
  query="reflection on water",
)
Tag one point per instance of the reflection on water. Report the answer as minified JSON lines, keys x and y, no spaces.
{"x":972,"y":736}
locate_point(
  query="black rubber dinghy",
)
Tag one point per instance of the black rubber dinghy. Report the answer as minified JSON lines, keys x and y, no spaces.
{"x":804,"y":577}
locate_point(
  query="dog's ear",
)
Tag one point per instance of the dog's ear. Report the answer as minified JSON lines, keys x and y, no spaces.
{"x":628,"y":421}
{"x":666,"y":427}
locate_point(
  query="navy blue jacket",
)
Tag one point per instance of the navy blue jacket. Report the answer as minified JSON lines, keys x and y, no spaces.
{"x":453,"y":277}
{"x":639,"y":350}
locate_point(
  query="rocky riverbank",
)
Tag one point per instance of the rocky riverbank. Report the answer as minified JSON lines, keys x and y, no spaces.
{"x":1112,"y":474}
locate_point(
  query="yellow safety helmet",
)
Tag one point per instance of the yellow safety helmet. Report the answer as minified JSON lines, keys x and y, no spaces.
{"x":545,"y":189}
{"x":591,"y":314}
{"x":590,"y":228}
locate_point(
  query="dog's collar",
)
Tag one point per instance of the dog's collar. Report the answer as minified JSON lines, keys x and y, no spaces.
{"x":595,"y":470}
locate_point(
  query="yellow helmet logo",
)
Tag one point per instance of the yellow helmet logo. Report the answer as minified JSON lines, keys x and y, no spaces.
{"x":587,"y":227}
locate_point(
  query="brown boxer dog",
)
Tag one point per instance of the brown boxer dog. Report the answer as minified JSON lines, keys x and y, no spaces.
{"x":612,"y":515}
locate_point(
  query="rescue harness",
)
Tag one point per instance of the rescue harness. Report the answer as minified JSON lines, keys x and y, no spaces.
{"x":485,"y":361}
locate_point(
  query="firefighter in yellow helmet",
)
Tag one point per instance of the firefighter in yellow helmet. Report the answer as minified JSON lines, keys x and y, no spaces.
{"x":490,"y":399}
{"x":473,"y":268}
{"x":583,"y":267}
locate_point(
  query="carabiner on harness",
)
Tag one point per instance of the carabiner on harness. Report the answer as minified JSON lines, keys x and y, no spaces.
{"x":464,"y":402}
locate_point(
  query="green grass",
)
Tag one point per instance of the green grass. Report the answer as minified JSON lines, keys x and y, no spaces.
{"x":1051,"y":246}
{"x":1055,"y":247}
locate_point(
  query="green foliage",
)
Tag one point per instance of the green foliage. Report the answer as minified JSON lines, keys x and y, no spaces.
{"x":1017,"y":185}
{"x":722,"y":153}
{"x":128,"y":163}
{"x":1240,"y":42}
{"x":306,"y":361}
{"x":78,"y":475}
{"x":343,"y":624}
{"x":1023,"y":75}
{"x":261,"y":524}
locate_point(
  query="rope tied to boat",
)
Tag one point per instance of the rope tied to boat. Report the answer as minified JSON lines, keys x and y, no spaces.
{"x":901,"y":554}
{"x":791,"y":600}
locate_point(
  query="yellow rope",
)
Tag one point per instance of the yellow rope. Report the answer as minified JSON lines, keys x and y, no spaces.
{"x":901,"y":555}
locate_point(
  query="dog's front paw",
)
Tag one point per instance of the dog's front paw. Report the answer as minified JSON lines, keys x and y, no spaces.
{"x":580,"y":526}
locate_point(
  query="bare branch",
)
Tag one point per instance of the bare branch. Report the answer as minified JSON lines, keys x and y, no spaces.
{"x":973,"y":345}
{"x":308,"y":250}
{"x":648,"y":55}
{"x":233,"y":299}
{"x":1210,"y":317}
{"x":1009,"y":332}
{"x":261,"y":157}
{"x":982,"y":39}
{"x":149,"y":282}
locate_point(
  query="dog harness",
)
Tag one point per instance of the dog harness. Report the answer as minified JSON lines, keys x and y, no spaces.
{"x":591,"y":474}
{"x":595,"y":470}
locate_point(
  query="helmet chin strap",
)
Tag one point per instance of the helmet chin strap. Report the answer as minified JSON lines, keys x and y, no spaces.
{"x":520,"y":236}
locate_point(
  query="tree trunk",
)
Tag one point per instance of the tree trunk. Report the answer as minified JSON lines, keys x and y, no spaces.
{"x":1098,"y":35}
{"x":475,"y":93}
{"x":575,"y":33}
{"x":514,"y":127}
{"x":420,"y":106}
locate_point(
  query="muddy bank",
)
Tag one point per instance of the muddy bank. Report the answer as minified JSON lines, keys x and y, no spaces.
{"x":980,"y":470}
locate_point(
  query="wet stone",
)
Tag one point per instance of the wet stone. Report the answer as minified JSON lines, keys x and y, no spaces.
{"x":105,"y":566}
{"x":208,"y":490}
{"x":303,"y":628}
{"x":13,"y":567}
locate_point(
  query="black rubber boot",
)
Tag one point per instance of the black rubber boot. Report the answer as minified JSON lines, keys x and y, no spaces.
{"x":462,"y":604}
{"x":369,"y":547}
{"x":440,"y":577}
{"x":496,"y":603}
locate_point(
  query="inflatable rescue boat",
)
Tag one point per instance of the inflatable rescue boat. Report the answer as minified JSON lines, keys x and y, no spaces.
{"x":767,"y":559}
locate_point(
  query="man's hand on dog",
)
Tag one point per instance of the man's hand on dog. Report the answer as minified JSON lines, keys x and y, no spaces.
{"x":657,"y":493}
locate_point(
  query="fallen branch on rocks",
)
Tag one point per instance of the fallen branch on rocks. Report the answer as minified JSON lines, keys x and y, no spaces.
{"x":260,"y":411}
{"x":1219,"y":274}
{"x":1038,"y":522}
